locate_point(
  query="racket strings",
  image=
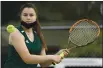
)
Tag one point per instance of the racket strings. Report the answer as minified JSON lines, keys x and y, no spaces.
{"x":83,"y":33}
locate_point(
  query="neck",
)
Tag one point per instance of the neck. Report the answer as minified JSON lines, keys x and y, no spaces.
{"x":27,"y":30}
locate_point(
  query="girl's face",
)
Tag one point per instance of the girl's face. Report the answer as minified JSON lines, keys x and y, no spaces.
{"x":28,"y":15}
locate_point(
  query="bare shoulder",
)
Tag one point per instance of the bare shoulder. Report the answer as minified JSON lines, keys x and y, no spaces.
{"x":15,"y":36}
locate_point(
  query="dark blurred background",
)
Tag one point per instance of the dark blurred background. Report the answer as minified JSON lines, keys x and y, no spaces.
{"x":55,"y":17}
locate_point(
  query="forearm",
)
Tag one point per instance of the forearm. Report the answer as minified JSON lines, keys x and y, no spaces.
{"x":46,"y":64}
{"x":35,"y":59}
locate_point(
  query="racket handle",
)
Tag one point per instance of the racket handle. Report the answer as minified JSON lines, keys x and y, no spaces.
{"x":61,"y":55}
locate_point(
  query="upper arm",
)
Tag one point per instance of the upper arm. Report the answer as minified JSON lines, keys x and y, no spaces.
{"x":17,"y":40}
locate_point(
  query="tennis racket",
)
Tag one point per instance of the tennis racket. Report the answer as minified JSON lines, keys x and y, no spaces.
{"x":82,"y":33}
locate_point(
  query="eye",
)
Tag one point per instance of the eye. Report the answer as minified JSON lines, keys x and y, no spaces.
{"x":25,"y":14}
{"x":31,"y":15}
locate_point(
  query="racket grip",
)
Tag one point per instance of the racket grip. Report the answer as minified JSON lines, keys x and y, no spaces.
{"x":61,"y":55}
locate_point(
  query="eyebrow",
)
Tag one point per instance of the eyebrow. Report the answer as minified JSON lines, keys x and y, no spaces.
{"x":27,"y":13}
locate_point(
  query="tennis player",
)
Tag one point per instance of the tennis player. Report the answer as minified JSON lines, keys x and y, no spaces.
{"x":27,"y":47}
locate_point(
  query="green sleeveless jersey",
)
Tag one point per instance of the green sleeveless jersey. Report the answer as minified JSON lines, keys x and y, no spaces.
{"x":14,"y":60}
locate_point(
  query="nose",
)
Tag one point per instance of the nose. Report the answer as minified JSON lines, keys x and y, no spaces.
{"x":28,"y":17}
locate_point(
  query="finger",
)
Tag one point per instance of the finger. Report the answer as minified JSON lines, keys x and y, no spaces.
{"x":67,"y":50}
{"x":65,"y":54}
{"x":60,"y":61}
